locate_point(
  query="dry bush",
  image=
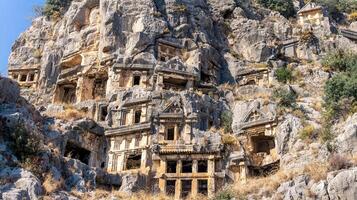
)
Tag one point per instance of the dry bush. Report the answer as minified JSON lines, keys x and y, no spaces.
{"x":260,"y":65}
{"x":70,"y":113}
{"x":317,"y":170}
{"x":352,"y":17}
{"x":308,"y":132}
{"x":229,"y":139}
{"x":227,"y":86}
{"x":337,"y":162}
{"x":269,"y":183}
{"x":299,"y":113}
{"x":51,"y":185}
{"x":353,"y":160}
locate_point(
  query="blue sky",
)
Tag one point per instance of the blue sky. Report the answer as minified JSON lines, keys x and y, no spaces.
{"x":15,"y":17}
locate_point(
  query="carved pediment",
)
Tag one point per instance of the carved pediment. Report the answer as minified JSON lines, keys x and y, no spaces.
{"x":176,"y":64}
{"x":173,"y":106}
{"x":255,"y":114}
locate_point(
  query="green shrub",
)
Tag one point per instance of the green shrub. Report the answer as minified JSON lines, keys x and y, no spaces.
{"x":55,"y":8}
{"x":284,"y":7}
{"x":283,"y":75}
{"x":341,"y":89}
{"x":226,"y":121}
{"x":224,"y":195}
{"x":340,"y":61}
{"x":337,"y":7}
{"x":24,"y":144}
{"x":325,"y":133}
{"x":285,"y":97}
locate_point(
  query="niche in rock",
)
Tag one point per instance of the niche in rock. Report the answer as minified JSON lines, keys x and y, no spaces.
{"x":76,"y":152}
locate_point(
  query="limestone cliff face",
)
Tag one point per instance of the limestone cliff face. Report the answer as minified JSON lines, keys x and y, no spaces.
{"x":174,"y":96}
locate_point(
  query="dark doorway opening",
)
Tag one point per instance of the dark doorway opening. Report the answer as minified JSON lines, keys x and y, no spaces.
{"x":69,"y":94}
{"x":170,"y":135}
{"x":176,"y":84}
{"x":133,"y":162}
{"x":262,"y":144}
{"x":202,"y":166}
{"x":203,"y":187}
{"x":205,"y":78}
{"x":187,"y":166}
{"x":76,"y":152}
{"x":170,"y":187}
{"x":103,"y":113}
{"x":99,"y":88}
{"x":251,"y":82}
{"x":137,"y":116}
{"x":171,"y":166}
{"x":186,"y":186}
{"x":136,"y":80}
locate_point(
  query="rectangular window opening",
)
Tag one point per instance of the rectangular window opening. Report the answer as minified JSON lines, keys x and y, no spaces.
{"x":123,"y":119}
{"x":23,"y":77}
{"x":31,"y":77}
{"x":187,"y":166}
{"x":133,"y":162}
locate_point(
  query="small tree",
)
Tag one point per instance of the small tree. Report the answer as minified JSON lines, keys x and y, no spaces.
{"x":24,"y":144}
{"x":285,"y":97}
{"x":226,"y":121}
{"x":284,"y":7}
{"x":55,"y":8}
{"x":283,"y":75}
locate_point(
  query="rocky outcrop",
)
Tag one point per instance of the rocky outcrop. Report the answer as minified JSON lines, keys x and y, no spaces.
{"x":346,"y":141}
{"x":343,"y":184}
{"x":19,"y":184}
{"x":287,"y":133}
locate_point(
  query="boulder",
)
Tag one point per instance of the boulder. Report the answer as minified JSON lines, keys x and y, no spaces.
{"x":287,"y":133}
{"x":342,"y":185}
{"x":132,"y":183}
{"x":21,"y":184}
{"x":9,"y":90}
{"x":346,"y":141}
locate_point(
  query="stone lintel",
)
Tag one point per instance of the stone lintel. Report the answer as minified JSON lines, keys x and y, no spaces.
{"x":123,"y":130}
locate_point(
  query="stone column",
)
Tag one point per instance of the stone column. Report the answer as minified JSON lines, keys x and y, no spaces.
{"x":160,"y":172}
{"x":210,"y":168}
{"x":79,"y":90}
{"x":92,"y":159}
{"x":177,"y":132}
{"x":178,"y":189}
{"x":179,"y":167}
{"x":144,"y":157}
{"x":189,"y":84}
{"x":211,"y":187}
{"x":121,"y":162}
{"x":194,"y":166}
{"x":243,"y":172}
{"x":110,"y":162}
{"x":194,"y":189}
